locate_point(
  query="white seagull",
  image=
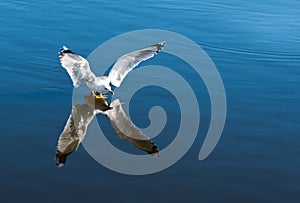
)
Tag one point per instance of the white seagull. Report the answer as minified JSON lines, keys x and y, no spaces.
{"x":79,"y":70}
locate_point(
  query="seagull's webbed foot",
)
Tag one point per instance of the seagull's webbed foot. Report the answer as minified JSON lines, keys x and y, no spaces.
{"x":100,"y":96}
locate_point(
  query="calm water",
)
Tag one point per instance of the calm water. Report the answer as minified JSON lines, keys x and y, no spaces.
{"x":255,"y":46}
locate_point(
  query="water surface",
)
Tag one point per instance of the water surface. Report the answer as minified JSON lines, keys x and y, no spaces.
{"x":255,"y":46}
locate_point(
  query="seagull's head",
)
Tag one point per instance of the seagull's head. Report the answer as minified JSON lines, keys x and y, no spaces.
{"x":103,"y":84}
{"x":108,"y":88}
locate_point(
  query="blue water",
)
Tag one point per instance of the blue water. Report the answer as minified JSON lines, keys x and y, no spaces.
{"x":255,"y":46}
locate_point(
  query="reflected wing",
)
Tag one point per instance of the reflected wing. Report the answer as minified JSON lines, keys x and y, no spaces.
{"x":128,"y":131}
{"x":127,"y":62}
{"x":74,"y":132}
{"x":77,"y":67}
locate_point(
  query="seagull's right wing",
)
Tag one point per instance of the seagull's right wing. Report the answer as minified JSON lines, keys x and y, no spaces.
{"x":128,"y":62}
{"x":126,"y":130}
{"x":77,"y":67}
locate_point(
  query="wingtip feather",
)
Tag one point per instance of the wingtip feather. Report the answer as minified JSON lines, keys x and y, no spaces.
{"x":64,"y":50}
{"x":160,"y":46}
{"x":60,"y":159}
{"x":163,"y":43}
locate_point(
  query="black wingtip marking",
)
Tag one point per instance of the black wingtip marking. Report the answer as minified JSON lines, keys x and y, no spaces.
{"x":60,"y":158}
{"x":154,"y":151}
{"x":160,"y":46}
{"x":65,"y":50}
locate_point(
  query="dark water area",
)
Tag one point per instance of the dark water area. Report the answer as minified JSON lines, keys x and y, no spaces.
{"x":255,"y":47}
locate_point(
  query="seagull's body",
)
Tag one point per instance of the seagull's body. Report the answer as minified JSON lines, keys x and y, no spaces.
{"x":79,"y":70}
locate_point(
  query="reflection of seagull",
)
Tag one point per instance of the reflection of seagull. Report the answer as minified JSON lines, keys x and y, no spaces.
{"x":126,"y":130}
{"x":79,"y":69}
{"x":81,"y":116}
{"x":76,"y":126}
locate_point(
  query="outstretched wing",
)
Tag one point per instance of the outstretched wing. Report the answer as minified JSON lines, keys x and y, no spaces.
{"x":127,"y":62}
{"x":77,"y":67}
{"x":74,"y":132}
{"x":76,"y":126}
{"x":126,"y":130}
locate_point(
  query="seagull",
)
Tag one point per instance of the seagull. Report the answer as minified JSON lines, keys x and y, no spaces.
{"x":79,"y":70}
{"x":81,"y":116}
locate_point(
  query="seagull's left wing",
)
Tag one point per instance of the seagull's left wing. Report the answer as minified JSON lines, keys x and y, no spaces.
{"x":128,"y":62}
{"x":77,"y":67}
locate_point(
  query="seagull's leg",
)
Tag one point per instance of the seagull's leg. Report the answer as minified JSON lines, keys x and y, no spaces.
{"x":100,"y":96}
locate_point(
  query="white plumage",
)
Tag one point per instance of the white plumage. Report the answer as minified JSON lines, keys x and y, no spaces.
{"x":79,"y":70}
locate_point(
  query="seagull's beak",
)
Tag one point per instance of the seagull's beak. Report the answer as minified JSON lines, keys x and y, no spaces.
{"x":112,"y":92}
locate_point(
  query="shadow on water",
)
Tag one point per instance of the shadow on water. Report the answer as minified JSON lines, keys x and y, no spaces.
{"x":82,"y":115}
